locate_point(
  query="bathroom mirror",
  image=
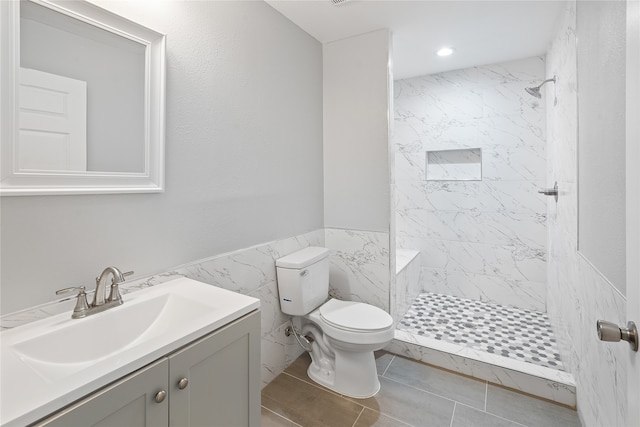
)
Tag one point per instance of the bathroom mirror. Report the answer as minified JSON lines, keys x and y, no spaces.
{"x":82,"y":105}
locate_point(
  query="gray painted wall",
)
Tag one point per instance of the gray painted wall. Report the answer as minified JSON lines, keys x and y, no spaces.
{"x":356,"y":132}
{"x":243,"y":149}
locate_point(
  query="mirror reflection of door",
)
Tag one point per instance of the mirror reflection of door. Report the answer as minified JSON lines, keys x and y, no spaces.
{"x":114,"y":69}
{"x":53,"y":122}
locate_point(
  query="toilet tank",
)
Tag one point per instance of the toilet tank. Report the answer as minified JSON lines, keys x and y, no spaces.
{"x":303,"y":280}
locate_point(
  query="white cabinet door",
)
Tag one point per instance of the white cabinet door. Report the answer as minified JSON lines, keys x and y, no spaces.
{"x":128,"y":402}
{"x":53,"y":122}
{"x":220,"y":378}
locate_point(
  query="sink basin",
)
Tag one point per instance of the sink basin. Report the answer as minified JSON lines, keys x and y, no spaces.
{"x":49,"y":363}
{"x":83,"y":342}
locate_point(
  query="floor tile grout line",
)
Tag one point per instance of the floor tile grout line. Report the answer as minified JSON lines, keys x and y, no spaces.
{"x":441,"y":369}
{"x":486,"y":395}
{"x":358,"y":417}
{"x":453,"y":413}
{"x":322,"y":388}
{"x":444,"y":397}
{"x":283,"y":417}
{"x":349,"y":399}
{"x":314,"y":385}
{"x":422,"y":390}
{"x":494,"y":415}
{"x":393,"y":357}
{"x":404,"y":423}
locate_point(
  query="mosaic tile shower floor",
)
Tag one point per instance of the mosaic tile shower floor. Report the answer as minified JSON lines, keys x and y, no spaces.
{"x":515,"y":333}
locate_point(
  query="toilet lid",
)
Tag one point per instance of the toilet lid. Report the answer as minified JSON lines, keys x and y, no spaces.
{"x":352,"y":315}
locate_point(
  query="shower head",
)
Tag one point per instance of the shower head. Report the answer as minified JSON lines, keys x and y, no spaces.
{"x":535,"y":91}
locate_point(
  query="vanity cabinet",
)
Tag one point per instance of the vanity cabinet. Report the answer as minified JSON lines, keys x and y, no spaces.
{"x":213,"y":381}
{"x":223,"y":374}
{"x":127,"y":402}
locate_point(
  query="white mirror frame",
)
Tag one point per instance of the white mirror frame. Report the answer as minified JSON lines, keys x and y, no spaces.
{"x":16,"y":183}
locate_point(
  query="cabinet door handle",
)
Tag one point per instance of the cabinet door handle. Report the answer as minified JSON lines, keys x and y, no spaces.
{"x":183,"y":383}
{"x":160,"y":396}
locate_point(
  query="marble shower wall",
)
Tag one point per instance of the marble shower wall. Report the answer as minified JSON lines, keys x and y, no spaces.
{"x":479,"y":239}
{"x":578,"y":294}
{"x":407,"y":286}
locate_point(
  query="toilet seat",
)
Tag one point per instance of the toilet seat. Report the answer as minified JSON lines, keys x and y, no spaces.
{"x":355,"y":316}
{"x":353,"y":328}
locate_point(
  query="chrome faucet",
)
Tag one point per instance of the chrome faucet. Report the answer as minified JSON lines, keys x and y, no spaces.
{"x":100,"y":301}
{"x":99,"y":297}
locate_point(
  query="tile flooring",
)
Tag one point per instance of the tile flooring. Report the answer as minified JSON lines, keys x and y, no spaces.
{"x":506,"y":331}
{"x":412,"y":394}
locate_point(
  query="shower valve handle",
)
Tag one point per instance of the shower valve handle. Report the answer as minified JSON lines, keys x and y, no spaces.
{"x":550,"y":191}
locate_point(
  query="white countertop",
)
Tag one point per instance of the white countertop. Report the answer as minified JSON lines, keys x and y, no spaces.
{"x":27,"y":395}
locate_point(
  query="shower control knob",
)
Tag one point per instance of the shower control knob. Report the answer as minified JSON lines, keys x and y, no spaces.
{"x":550,"y":191}
{"x":611,"y":332}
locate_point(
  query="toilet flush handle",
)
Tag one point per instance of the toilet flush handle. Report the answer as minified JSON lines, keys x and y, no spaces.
{"x":304,"y":273}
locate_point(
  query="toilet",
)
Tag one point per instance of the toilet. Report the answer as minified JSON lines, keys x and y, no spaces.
{"x":345,"y":333}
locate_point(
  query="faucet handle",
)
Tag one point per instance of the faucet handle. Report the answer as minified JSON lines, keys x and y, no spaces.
{"x":114,"y":295}
{"x":82,"y":306}
{"x":80,"y":289}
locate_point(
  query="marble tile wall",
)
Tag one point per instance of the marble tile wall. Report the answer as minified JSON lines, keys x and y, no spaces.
{"x":252,"y":271}
{"x":578,"y":294}
{"x":480,"y":239}
{"x":359,"y":266}
{"x":407,"y":286}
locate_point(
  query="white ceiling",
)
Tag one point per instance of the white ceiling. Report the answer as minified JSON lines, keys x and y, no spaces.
{"x":481,"y":32}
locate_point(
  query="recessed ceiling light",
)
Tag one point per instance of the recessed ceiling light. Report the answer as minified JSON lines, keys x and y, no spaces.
{"x":445,"y":51}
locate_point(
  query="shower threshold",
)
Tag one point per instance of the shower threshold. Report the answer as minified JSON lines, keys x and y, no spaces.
{"x":503,"y":345}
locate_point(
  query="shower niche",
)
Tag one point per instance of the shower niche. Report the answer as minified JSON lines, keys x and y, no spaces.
{"x":463,"y":164}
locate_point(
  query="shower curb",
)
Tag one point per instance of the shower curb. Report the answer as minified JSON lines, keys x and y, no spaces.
{"x":551,"y":384}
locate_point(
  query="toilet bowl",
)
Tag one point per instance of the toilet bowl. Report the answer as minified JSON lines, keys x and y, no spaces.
{"x":350,"y":332}
{"x":344,"y":334}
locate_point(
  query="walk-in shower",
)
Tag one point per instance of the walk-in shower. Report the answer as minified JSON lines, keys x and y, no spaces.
{"x":470,"y":225}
